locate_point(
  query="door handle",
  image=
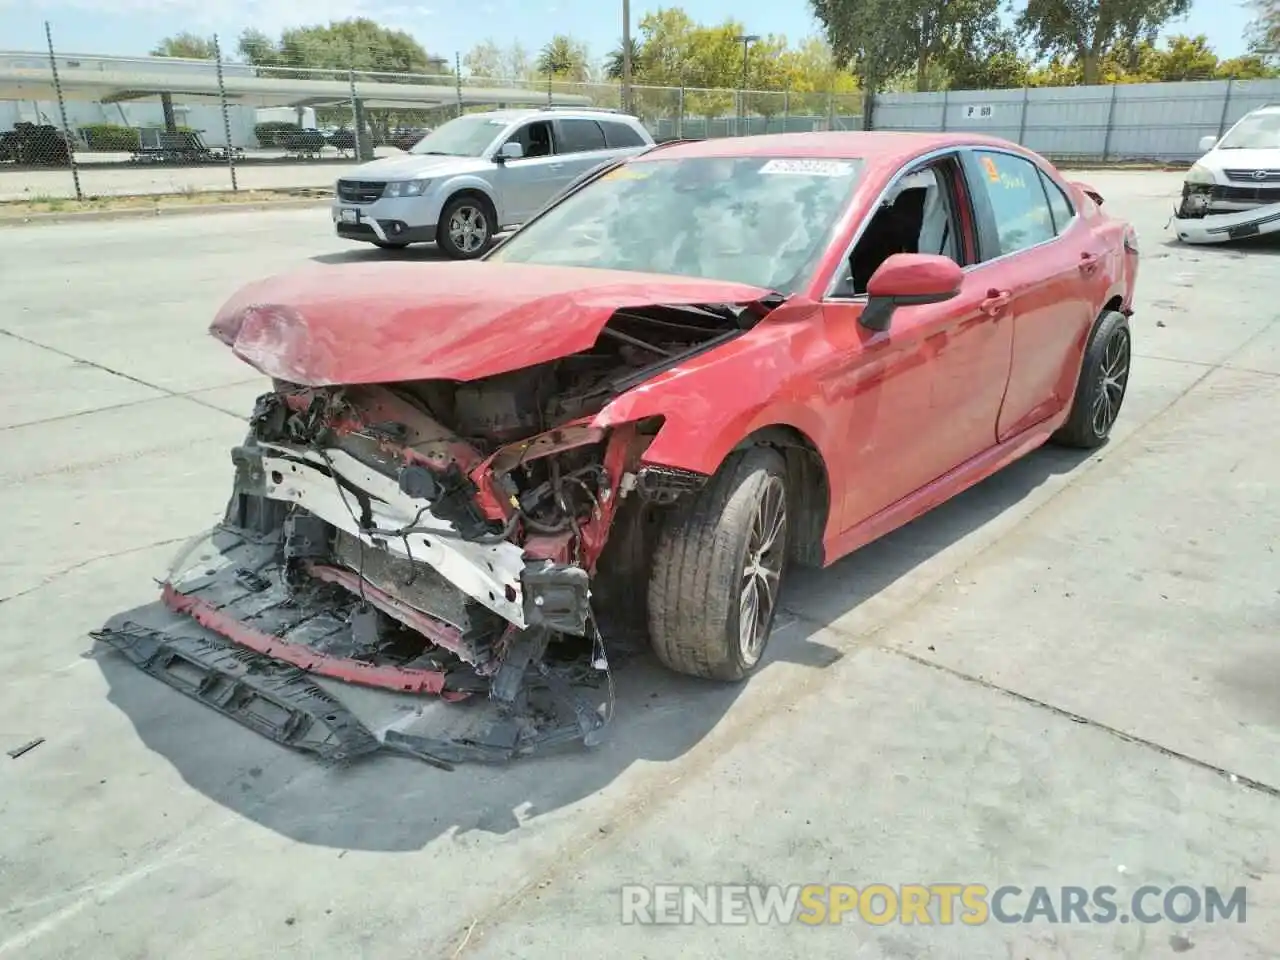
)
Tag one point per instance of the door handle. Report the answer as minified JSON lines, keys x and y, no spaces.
{"x":996,"y":303}
{"x":1088,"y":262}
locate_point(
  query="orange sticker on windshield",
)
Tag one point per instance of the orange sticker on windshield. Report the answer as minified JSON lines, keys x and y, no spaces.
{"x":992,"y":173}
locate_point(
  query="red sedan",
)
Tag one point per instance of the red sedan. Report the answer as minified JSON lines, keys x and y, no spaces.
{"x":698,"y":366}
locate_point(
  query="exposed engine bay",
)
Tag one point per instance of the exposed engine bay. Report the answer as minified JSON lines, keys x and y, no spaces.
{"x":463,"y":539}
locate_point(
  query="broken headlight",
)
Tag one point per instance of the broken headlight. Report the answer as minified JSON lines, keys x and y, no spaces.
{"x":1199,"y":174}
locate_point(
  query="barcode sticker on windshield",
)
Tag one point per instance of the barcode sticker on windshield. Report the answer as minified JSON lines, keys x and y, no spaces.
{"x":809,"y":168}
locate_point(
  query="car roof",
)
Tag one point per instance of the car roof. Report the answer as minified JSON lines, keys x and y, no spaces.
{"x":523,"y":113}
{"x":883,"y":145}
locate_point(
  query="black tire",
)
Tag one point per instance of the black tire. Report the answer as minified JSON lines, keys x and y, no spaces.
{"x":1104,"y":381}
{"x":482,"y":212}
{"x":391,"y":244}
{"x":702,"y":570}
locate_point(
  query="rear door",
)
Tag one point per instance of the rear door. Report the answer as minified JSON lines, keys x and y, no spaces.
{"x":580,"y":145}
{"x":1036,"y":252}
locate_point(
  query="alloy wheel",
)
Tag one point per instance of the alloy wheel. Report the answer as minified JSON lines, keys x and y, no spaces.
{"x":762,"y":569}
{"x":1113,"y":380}
{"x":468,"y":229}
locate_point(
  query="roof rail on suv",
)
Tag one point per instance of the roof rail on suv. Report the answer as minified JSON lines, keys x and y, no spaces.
{"x":581,"y":109}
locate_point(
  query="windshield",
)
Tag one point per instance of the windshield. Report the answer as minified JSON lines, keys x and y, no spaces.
{"x":1258,"y":132}
{"x":757,"y":220}
{"x":466,"y":136}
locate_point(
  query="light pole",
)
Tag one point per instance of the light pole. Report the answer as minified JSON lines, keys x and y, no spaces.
{"x":746,"y":39}
{"x":626,"y":56}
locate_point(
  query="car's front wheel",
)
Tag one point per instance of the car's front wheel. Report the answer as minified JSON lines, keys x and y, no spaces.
{"x":717,"y":570}
{"x":467,"y":225}
{"x":1104,"y":380}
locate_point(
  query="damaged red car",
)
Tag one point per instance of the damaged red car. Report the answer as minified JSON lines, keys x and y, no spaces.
{"x":699,"y":367}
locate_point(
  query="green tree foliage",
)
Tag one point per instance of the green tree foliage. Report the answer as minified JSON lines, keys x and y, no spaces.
{"x":1087,"y":31}
{"x":885,"y":39}
{"x":565,"y":59}
{"x":613,"y":63}
{"x":358,"y":44}
{"x":186,"y":45}
{"x":1264,"y":32}
{"x":1179,"y":58}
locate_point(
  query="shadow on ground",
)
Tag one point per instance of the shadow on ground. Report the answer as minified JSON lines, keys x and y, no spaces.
{"x":367,"y":253}
{"x":392,"y":804}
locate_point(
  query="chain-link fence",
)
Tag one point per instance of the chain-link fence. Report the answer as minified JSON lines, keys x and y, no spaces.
{"x":268,"y":118}
{"x":277,"y":116}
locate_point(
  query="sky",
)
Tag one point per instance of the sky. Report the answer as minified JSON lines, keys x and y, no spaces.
{"x":127,"y":27}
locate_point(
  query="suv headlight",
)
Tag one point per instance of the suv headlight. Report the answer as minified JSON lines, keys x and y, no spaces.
{"x":1199,"y":174}
{"x":407,"y":188}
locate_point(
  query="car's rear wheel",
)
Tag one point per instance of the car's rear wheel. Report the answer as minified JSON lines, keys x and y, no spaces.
{"x":1104,"y":380}
{"x":717,"y":570}
{"x":467,"y":225}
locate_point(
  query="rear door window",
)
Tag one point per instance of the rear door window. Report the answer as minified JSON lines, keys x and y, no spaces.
{"x":621,"y":135}
{"x":1013,"y":187}
{"x":580,"y":136}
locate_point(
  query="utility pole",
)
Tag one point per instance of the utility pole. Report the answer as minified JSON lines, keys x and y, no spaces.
{"x":626,"y":56}
{"x":746,"y":39}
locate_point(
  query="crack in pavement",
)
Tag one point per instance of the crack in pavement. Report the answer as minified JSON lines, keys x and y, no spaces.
{"x":1225,"y":365}
{"x":1236,"y":778}
{"x":188,"y":395}
{"x":183,"y":395}
{"x":57,"y":575}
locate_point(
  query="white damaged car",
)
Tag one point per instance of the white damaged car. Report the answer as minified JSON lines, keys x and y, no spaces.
{"x":1233,"y":191}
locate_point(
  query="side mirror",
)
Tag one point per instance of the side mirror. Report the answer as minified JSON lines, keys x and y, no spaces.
{"x":1208,"y":143}
{"x":907,"y":279}
{"x":509,"y":151}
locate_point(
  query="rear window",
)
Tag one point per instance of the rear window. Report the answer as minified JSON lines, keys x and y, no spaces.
{"x":621,"y":134}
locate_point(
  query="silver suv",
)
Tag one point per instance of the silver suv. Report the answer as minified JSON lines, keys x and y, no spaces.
{"x":478,"y":174}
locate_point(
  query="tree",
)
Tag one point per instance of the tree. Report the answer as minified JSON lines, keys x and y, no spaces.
{"x":1185,"y":58}
{"x":874,"y":36}
{"x":993,"y":63}
{"x":485,"y":61}
{"x":613,"y":63}
{"x":1249,"y":67}
{"x":357,"y":44}
{"x":185,"y":45}
{"x":888,"y":38}
{"x":1264,"y":32}
{"x":1087,"y":30}
{"x":565,"y":59}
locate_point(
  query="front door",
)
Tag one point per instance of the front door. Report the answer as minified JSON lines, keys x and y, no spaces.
{"x":526,"y":184}
{"x":924,"y":395}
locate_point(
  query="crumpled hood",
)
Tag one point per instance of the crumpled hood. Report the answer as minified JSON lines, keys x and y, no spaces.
{"x":395,"y":321}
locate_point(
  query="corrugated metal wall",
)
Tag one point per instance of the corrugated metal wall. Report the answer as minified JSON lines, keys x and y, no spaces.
{"x":1140,"y":121}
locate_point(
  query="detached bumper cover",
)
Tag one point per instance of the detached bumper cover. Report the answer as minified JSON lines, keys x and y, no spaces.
{"x":1223,"y":227}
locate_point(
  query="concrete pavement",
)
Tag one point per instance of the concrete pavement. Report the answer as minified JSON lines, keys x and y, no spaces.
{"x":1066,"y":677}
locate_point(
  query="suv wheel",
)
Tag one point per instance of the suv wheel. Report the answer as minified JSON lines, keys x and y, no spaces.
{"x":466,"y":227}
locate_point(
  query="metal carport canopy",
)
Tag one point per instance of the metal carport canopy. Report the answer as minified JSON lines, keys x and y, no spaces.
{"x":113,"y":86}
